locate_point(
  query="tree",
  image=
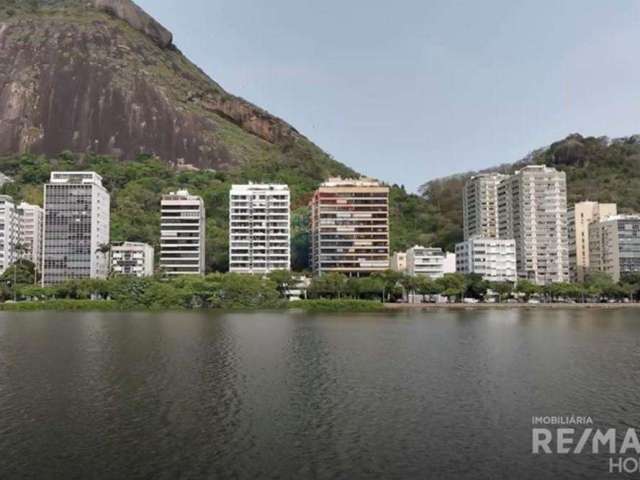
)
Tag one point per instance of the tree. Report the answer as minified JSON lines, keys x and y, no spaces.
{"x":452,"y":285}
{"x":426,"y":286}
{"x":22,"y":272}
{"x":284,"y":280}
{"x":331,"y":285}
{"x":503,"y":289}
{"x":528,"y":289}
{"x":475,"y":286}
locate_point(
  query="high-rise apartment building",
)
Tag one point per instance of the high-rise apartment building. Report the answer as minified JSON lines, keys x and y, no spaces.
{"x":532,"y":210}
{"x":31,"y":232}
{"x":614,"y":246}
{"x":182,"y":234}
{"x":9,"y":232}
{"x":350,"y":227}
{"x":494,"y":259}
{"x":579,"y":218}
{"x":259,"y":228}
{"x":480,"y":205}
{"x":430,"y":262}
{"x":76,"y":226}
{"x":132,"y":259}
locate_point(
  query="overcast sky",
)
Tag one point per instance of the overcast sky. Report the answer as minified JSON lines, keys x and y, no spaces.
{"x":411,"y":90}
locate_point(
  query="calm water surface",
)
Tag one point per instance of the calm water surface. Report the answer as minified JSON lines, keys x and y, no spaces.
{"x":446,"y":394}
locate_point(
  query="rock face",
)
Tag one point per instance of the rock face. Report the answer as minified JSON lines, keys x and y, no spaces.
{"x":104,"y":77}
{"x":136,"y":17}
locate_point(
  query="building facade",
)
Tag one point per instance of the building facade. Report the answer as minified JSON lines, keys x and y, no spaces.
{"x":579,"y":218}
{"x":614,"y":246}
{"x":76,"y":227}
{"x":132,"y":259}
{"x":31,"y":232}
{"x":480,"y":206}
{"x":350,"y":227}
{"x":494,"y":259}
{"x":259,"y":228}
{"x":532,"y":210}
{"x":182,"y":234}
{"x":9,"y":232}
{"x":399,"y":262}
{"x":430,"y":262}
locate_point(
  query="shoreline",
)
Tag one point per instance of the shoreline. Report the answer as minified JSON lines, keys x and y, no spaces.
{"x":506,"y":306}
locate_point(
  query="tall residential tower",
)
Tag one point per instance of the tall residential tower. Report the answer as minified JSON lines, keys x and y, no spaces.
{"x":532,"y":210}
{"x":76,"y":226}
{"x":580,"y":217}
{"x":480,"y":205}
{"x":259,"y":232}
{"x":182,"y":234}
{"x":350,"y":227}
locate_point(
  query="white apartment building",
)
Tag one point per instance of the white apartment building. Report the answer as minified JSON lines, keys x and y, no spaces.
{"x":430,"y":262}
{"x":132,"y":259}
{"x":182,"y":234}
{"x":31,"y":232}
{"x":480,"y":205}
{"x":350,"y":227}
{"x":579,"y":218}
{"x":532,"y":210}
{"x":9,"y":232}
{"x":494,"y":259}
{"x":76,"y":225}
{"x":259,"y":228}
{"x":614,"y":246}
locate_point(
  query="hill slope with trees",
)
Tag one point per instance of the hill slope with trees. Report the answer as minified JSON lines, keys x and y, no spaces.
{"x":598,"y":169}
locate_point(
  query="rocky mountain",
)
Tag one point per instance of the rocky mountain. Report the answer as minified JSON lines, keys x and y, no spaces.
{"x":597,"y":168}
{"x":102,"y":76}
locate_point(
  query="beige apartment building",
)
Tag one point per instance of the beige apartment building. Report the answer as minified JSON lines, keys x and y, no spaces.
{"x":480,"y":206}
{"x":579,"y":218}
{"x":614,"y":246}
{"x":350,"y":227}
{"x":532,"y":210}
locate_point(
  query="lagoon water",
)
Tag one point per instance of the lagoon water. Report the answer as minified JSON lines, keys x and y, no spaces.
{"x":401,"y":395}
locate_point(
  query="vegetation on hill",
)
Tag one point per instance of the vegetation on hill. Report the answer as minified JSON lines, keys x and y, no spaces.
{"x":597,"y":169}
{"x":137,"y":186}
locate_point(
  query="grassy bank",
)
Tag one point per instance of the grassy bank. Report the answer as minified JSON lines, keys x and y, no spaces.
{"x":62,"y":305}
{"x":337,"y":305}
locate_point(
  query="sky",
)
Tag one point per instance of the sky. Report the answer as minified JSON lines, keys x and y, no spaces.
{"x":413,"y":90}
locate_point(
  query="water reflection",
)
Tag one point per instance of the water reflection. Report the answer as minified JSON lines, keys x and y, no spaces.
{"x":447,"y":394}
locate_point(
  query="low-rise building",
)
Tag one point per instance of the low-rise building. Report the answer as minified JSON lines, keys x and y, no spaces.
{"x":493,"y":259}
{"x":132,"y":259}
{"x":429,"y":262}
{"x":614,"y":246}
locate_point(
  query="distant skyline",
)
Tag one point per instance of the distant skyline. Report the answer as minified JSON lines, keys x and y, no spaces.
{"x":427,"y":88}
